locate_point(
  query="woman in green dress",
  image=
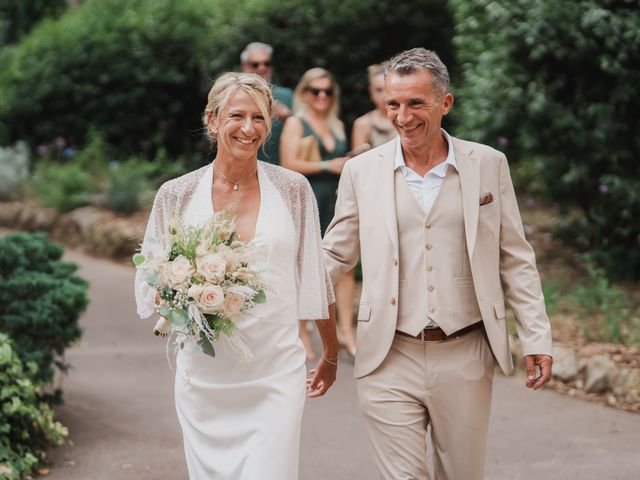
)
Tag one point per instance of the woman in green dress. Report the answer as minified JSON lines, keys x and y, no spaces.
{"x":316,"y":102}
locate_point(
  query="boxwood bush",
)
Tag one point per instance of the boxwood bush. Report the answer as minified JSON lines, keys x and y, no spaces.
{"x":27,"y":427}
{"x":40,"y":300}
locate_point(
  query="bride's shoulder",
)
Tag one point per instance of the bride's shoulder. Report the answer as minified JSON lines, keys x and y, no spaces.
{"x":178,"y":186}
{"x":285,"y":180}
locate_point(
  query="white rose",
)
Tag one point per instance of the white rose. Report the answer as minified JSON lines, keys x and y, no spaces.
{"x":245,"y":274}
{"x":231,"y":258}
{"x":211,"y":267}
{"x":178,"y":272}
{"x":202,"y":250}
{"x":209,"y":298}
{"x":235,"y":297}
{"x":233,"y":303}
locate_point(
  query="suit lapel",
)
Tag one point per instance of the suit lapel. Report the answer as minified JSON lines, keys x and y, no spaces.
{"x":469,"y":172}
{"x":388,"y":191}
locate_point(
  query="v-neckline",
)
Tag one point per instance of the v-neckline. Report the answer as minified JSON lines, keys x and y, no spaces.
{"x":260,"y":197}
{"x":321,"y":141}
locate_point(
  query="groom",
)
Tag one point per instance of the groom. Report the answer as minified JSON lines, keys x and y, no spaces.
{"x":436,"y":223}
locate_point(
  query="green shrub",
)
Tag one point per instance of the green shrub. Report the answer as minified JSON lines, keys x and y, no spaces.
{"x":128,"y":183}
{"x":605,"y":311}
{"x":139,"y":70}
{"x":40,"y":300}
{"x":63,"y":186}
{"x":558,"y":80}
{"x":27,"y":427}
{"x":14,"y":169}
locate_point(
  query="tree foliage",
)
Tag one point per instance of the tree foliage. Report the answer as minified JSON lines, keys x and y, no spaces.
{"x":558,"y":80}
{"x":138,"y":71}
{"x":18,"y":17}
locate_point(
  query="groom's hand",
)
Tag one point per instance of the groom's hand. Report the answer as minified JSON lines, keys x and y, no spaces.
{"x":322,"y":377}
{"x":543,"y":363}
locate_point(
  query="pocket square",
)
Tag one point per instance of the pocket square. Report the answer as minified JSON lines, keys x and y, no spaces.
{"x":486,"y":199}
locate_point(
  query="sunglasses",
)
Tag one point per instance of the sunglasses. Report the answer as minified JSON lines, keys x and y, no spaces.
{"x":266,"y":64}
{"x":316,"y":91}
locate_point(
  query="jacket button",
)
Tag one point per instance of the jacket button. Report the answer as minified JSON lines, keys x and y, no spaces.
{"x":392,"y":301}
{"x":429,"y":268}
{"x":428,"y":246}
{"x":427,"y":226}
{"x":395,"y":262}
{"x":432,"y":309}
{"x":430,"y":288}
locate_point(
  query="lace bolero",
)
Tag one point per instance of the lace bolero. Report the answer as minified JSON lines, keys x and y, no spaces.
{"x":315,"y":291}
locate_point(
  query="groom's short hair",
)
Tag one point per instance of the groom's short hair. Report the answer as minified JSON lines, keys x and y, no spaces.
{"x":416,"y":59}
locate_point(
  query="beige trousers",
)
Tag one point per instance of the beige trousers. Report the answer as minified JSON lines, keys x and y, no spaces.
{"x":446,"y":384}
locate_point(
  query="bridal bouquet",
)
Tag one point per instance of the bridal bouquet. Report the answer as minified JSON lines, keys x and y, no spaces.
{"x":205,"y":281}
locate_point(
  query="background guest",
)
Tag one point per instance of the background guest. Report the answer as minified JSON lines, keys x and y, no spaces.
{"x":316,"y":104}
{"x":257,"y":58}
{"x":373,"y":128}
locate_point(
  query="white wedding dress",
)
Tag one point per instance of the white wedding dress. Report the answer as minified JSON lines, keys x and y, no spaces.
{"x":241,"y":421}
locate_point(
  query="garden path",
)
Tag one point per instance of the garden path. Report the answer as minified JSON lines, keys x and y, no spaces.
{"x":120,"y":413}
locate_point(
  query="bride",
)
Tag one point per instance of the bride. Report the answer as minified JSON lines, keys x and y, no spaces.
{"x":242,"y":420}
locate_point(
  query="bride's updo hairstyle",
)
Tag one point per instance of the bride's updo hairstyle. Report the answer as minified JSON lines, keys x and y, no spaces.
{"x":225,"y":86}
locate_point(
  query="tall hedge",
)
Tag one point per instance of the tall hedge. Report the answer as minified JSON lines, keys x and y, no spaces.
{"x":40,"y":300}
{"x":559,"y":81}
{"x":130,"y":69}
{"x":139,"y":70}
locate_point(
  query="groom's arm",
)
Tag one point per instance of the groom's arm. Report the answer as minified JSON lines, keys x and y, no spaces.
{"x":522,"y":287}
{"x":341,"y":241}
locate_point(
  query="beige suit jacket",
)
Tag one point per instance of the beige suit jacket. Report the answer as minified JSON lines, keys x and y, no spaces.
{"x":502,"y":261}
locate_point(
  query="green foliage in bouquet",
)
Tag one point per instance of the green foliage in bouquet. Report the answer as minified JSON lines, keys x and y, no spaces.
{"x":558,"y":81}
{"x":40,"y":300}
{"x":27,"y":427}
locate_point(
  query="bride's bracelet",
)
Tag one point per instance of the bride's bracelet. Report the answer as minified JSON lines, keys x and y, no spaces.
{"x":331,"y":361}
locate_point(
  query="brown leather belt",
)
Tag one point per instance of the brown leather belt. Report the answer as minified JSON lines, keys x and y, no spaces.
{"x":438,"y":335}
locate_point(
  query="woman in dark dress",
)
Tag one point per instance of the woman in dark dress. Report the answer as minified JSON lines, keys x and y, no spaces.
{"x":316,"y":102}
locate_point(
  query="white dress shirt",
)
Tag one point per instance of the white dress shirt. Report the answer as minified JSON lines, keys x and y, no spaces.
{"x":426,"y":188}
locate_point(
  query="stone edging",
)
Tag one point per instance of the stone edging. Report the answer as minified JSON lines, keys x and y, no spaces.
{"x":601,"y":372}
{"x":90,"y":229}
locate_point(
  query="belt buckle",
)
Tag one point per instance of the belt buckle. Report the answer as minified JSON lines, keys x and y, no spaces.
{"x":422,"y":334}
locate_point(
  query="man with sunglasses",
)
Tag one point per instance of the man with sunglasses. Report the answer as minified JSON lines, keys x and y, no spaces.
{"x":256,"y":58}
{"x":436,"y":223}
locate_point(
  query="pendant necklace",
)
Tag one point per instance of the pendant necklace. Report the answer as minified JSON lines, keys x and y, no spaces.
{"x":236,"y":184}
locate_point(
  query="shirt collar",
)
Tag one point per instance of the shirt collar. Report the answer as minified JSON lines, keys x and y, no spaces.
{"x":440,"y":169}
